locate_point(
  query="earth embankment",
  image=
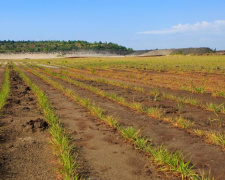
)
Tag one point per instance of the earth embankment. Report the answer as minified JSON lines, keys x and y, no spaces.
{"x":104,"y":53}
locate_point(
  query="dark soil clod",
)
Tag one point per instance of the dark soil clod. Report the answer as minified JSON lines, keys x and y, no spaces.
{"x":27,"y":88}
{"x":26,"y":108}
{"x":35,"y":125}
{"x":17,"y":101}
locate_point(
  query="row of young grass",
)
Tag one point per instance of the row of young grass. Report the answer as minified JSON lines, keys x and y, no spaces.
{"x":60,"y":139}
{"x":173,"y":162}
{"x":180,"y":122}
{"x":217,"y":108}
{"x":5,"y":88}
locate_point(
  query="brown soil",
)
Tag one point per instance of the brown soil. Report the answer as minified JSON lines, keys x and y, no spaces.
{"x":25,"y":149}
{"x":206,"y":157}
{"x":103,"y":154}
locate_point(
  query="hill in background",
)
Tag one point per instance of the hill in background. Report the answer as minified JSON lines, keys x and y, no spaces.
{"x":56,"y":46}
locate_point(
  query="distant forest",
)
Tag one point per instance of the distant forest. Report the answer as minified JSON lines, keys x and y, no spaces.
{"x":54,"y":46}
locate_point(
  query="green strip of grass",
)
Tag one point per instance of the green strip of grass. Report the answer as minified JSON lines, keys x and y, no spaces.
{"x":5,"y":88}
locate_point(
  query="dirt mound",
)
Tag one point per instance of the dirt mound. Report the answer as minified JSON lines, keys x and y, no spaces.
{"x":161,"y":52}
{"x":192,"y":51}
{"x":139,"y":52}
{"x":185,"y":51}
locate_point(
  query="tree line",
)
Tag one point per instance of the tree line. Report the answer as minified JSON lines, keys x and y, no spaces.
{"x":54,"y":46}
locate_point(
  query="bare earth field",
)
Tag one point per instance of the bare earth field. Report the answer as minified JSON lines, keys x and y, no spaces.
{"x":121,"y":122}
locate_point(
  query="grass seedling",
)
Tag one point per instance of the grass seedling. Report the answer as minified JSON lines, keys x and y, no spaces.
{"x":175,"y":160}
{"x":154,"y":93}
{"x":216,"y":137}
{"x":198,"y":89}
{"x":137,"y":106}
{"x":93,"y":71}
{"x":112,"y":122}
{"x":215,"y":122}
{"x":136,"y":88}
{"x":185,"y":88}
{"x":212,"y":137}
{"x":213,"y":107}
{"x":206,"y":176}
{"x":154,"y":112}
{"x":219,"y":93}
{"x":182,"y":123}
{"x":143,"y":143}
{"x":130,"y":133}
{"x":179,"y":106}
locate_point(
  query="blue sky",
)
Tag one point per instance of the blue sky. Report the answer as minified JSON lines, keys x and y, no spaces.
{"x":143,"y":24}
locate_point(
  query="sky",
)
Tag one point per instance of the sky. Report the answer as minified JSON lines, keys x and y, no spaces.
{"x":138,"y":24}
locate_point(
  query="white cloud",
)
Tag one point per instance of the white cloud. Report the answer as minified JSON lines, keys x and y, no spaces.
{"x":197,"y":27}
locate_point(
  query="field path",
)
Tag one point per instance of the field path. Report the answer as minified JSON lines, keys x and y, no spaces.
{"x":25,"y":148}
{"x":102,"y":152}
{"x":206,"y":157}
